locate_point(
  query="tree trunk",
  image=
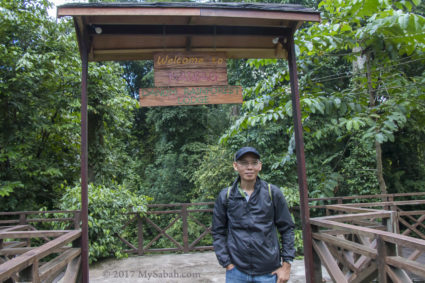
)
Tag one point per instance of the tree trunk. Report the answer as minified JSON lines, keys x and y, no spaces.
{"x":378,"y":149}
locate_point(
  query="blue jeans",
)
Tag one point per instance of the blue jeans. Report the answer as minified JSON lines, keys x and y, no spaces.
{"x":236,"y":276}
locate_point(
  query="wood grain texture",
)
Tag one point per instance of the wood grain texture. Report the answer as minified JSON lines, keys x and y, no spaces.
{"x":16,"y":264}
{"x":188,"y":60}
{"x":190,"y":96}
{"x":190,"y":77}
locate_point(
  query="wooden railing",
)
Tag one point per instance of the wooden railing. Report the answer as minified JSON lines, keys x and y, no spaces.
{"x":384,"y":239}
{"x":361,"y":242}
{"x":31,"y":255}
{"x":26,"y":217}
{"x":176,"y":212}
{"x":142,"y":242}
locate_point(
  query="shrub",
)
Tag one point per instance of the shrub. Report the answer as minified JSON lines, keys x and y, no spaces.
{"x":108,"y":208}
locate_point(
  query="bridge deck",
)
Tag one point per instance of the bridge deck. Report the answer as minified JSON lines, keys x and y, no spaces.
{"x":195,"y":267}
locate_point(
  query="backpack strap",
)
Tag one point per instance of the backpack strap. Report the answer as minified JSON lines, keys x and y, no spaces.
{"x":270,"y":193}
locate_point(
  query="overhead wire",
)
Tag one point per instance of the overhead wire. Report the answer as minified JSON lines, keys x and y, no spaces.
{"x":337,"y":76}
{"x":392,"y":87}
{"x":344,"y":72}
{"x":358,"y":52}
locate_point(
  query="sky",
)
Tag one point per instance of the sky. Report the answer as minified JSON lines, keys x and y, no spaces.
{"x":52,"y":11}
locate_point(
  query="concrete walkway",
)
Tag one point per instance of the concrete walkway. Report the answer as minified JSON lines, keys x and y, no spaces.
{"x":167,"y":268}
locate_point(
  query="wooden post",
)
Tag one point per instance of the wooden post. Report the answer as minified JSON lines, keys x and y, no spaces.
{"x":396,"y":227}
{"x":316,"y":261}
{"x":30,"y":273}
{"x":77,"y":218}
{"x":139,"y":235}
{"x":384,"y":249}
{"x":22,"y":218}
{"x":185,"y":229}
{"x":302,"y":176}
{"x":35,"y":275}
{"x":23,"y":221}
{"x":84,"y":45}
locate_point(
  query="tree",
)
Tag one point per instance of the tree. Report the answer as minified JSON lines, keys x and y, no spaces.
{"x":40,"y":116}
{"x":38,"y":82}
{"x":345,"y":108}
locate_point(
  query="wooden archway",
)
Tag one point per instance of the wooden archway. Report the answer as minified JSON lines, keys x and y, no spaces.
{"x":129,"y":31}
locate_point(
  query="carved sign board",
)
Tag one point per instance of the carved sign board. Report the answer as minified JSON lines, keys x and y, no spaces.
{"x":190,"y":68}
{"x":193,"y":95}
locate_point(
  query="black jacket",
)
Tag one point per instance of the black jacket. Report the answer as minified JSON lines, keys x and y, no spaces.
{"x":244,"y":232}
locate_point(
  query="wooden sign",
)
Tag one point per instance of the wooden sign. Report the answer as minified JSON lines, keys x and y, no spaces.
{"x":193,"y":95}
{"x":190,"y":68}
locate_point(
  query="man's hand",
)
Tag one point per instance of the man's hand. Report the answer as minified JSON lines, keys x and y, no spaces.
{"x":282,"y":273}
{"x":230,"y":267}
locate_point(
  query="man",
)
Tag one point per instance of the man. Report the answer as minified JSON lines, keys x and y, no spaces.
{"x":245,"y":219}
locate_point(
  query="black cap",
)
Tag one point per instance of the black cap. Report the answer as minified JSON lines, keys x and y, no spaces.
{"x":245,"y":150}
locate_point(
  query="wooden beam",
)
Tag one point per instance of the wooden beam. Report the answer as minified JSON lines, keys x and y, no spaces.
{"x":148,"y":54}
{"x":32,"y":234}
{"x":292,"y":16}
{"x":397,"y":275}
{"x":406,"y":264}
{"x":411,"y":228}
{"x":387,"y":236}
{"x":329,"y":262}
{"x":367,"y":215}
{"x":133,"y":11}
{"x":15,"y":228}
{"x":55,"y":265}
{"x":16,"y":264}
{"x":18,"y":251}
{"x":161,"y":43}
{"x":345,"y":244}
{"x":365,"y":275}
{"x":346,"y":208}
{"x":386,"y":203}
{"x":72,"y":271}
{"x":414,"y":255}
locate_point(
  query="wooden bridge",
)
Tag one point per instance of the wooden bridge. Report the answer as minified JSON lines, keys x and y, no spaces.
{"x":31,"y":255}
{"x":361,"y":242}
{"x":381,"y":238}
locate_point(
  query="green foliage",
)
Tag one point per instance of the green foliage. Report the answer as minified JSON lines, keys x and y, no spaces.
{"x":39,"y":106}
{"x":40,"y":110}
{"x":108,"y":205}
{"x":214,"y":174}
{"x":340,"y":124}
{"x":362,"y":85}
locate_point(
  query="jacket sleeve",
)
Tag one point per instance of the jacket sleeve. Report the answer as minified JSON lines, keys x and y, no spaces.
{"x":284,"y":225}
{"x":219,"y":229}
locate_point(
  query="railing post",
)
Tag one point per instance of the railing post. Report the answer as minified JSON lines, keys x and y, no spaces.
{"x":139,"y":235}
{"x":22,"y":219}
{"x":317,"y":264}
{"x":77,"y":218}
{"x":396,"y":226}
{"x":185,"y":229}
{"x":380,"y":259}
{"x":30,"y":273}
{"x":384,"y":250}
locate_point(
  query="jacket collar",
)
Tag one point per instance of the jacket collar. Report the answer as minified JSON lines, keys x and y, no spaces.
{"x":257,"y":185}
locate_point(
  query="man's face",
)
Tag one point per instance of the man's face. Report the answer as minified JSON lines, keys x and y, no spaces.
{"x":248,"y":167}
